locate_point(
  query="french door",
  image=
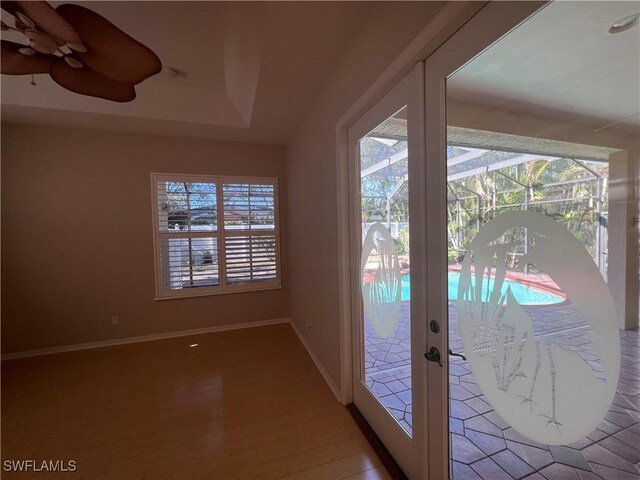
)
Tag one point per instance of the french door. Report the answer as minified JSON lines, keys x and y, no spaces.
{"x":538,"y":389}
{"x":398,"y":252}
{"x":518,"y":296}
{"x":388,"y":272}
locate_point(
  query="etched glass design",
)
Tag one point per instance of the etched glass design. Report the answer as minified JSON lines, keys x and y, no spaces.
{"x":538,"y":383}
{"x":381,"y":280}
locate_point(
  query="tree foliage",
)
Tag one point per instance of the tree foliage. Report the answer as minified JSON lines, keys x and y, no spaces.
{"x":562,"y":189}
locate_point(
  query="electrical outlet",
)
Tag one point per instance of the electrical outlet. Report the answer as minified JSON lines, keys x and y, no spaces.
{"x":115,"y":320}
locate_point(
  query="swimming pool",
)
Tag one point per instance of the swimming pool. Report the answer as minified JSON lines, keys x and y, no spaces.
{"x":524,"y":294}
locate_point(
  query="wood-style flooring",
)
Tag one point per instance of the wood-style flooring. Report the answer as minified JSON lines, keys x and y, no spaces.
{"x":243,"y":404}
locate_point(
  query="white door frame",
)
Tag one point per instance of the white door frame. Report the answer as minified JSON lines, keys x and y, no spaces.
{"x":472,"y":29}
{"x":404,"y":448}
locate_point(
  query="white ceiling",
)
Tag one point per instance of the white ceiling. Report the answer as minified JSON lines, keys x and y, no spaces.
{"x":562,"y":62}
{"x":251,"y":68}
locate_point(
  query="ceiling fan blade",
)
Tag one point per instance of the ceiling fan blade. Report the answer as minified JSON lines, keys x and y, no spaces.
{"x":45,"y":18}
{"x":87,"y":82}
{"x":15,"y":63}
{"x":111,"y":52}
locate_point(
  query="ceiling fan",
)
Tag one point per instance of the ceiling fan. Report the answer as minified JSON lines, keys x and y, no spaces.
{"x":81,"y":50}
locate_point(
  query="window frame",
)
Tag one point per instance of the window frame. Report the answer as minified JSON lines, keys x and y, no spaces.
{"x":220,"y":234}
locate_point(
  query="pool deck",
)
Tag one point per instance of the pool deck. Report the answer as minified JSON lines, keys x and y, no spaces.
{"x":483,"y":445}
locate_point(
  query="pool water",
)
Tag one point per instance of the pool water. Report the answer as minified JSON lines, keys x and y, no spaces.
{"x":523,"y":294}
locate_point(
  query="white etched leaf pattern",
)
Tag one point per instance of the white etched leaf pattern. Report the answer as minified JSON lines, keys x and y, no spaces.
{"x":381,"y":280}
{"x":536,"y":386}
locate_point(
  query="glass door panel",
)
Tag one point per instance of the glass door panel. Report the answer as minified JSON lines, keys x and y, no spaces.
{"x":544,"y":377}
{"x":385,"y":267}
{"x":388,"y":367}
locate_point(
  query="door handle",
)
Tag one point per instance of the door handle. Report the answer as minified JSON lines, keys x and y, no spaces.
{"x":433,"y":355}
{"x":454,"y":354}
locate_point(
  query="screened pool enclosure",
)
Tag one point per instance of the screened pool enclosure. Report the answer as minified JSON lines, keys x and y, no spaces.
{"x":482,"y":183}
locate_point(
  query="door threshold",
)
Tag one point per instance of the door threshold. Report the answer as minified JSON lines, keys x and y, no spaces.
{"x":387,"y":460}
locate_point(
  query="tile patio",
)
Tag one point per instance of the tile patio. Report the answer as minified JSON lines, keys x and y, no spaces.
{"x":483,"y":445}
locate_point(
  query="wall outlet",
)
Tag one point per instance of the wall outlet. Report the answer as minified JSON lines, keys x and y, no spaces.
{"x":115,"y":320}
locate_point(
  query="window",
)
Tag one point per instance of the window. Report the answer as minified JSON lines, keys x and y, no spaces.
{"x":215,"y":235}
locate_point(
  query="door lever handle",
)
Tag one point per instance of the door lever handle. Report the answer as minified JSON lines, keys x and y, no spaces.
{"x":454,"y":354}
{"x":433,"y":355}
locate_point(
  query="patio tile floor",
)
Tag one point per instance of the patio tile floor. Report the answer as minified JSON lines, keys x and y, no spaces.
{"x":483,"y":445}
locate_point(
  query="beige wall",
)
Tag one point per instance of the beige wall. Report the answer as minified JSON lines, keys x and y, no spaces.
{"x":77,"y":243}
{"x":311,"y":173}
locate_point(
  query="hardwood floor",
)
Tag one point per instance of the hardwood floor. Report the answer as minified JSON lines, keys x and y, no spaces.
{"x":244,"y":404}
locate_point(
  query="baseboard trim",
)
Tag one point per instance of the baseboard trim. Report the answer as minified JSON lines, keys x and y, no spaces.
{"x":144,"y":338}
{"x":323,"y":371}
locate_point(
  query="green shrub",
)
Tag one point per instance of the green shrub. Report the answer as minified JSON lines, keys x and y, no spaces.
{"x":402,"y":243}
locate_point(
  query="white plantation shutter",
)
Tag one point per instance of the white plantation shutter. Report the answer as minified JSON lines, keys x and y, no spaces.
{"x":214,"y":234}
{"x":187,"y":235}
{"x":251,"y":243}
{"x":251,"y":259}
{"x":249,"y":206}
{"x":189,"y":262}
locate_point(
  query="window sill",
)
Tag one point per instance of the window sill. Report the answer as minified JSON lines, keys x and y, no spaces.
{"x":213,"y":294}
